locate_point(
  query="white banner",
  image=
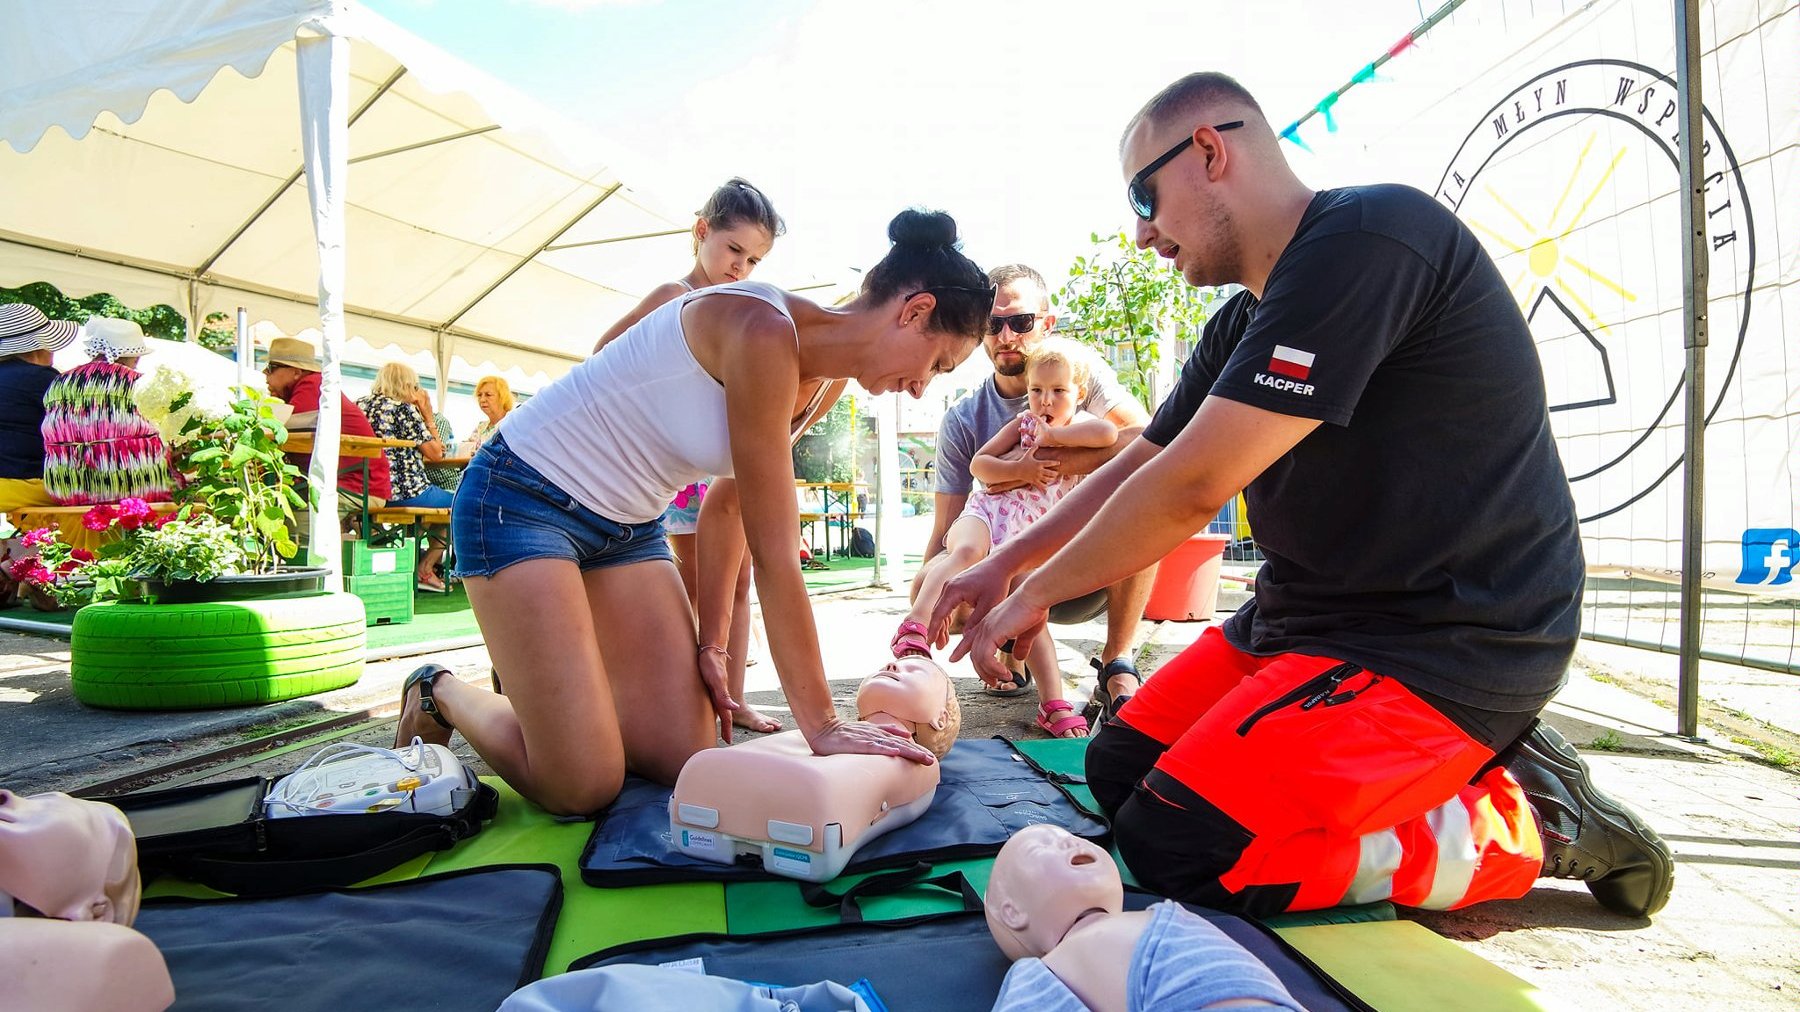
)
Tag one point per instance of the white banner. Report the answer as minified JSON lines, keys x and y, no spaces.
{"x":1553,"y":138}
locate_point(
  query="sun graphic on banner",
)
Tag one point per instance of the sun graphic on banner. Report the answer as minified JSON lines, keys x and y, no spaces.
{"x":1547,"y":277}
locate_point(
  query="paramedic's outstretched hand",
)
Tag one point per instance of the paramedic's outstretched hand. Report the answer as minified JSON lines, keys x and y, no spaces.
{"x":982,"y":587}
{"x":841,"y":736}
{"x":1019,"y":619}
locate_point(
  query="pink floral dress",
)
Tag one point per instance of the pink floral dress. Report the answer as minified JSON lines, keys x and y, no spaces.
{"x":1008,"y":513}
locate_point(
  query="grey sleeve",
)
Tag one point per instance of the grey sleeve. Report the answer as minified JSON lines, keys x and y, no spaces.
{"x":955,"y":448}
{"x":1108,"y":393}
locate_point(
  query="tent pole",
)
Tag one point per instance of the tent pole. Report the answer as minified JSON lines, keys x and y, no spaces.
{"x":323,"y":68}
{"x":888,"y":551}
{"x":1694,"y":274}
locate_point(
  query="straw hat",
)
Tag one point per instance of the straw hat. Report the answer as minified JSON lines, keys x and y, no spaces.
{"x":115,"y":339}
{"x":295,"y":352}
{"x":25,"y":328}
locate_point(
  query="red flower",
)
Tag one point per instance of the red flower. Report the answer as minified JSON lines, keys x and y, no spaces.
{"x":38,"y":574}
{"x":41,"y":536}
{"x":20,"y":569}
{"x":68,"y":566}
{"x":131,"y":521}
{"x":159,"y":519}
{"x":100,"y":517}
{"x":133,"y":506}
{"x":82,"y":555}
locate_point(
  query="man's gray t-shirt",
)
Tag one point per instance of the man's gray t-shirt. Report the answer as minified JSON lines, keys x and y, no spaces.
{"x":972,"y":421}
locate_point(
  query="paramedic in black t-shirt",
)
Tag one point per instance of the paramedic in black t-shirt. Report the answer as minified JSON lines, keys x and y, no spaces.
{"x":1364,"y":729}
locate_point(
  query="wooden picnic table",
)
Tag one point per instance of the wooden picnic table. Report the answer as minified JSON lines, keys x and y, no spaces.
{"x":837,"y":501}
{"x":348,"y":445}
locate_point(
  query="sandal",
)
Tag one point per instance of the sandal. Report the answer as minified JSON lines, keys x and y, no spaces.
{"x":911,"y":639}
{"x":1064,"y":726}
{"x":1018,"y":688}
{"x":423,"y":677}
{"x":1103,"y":702}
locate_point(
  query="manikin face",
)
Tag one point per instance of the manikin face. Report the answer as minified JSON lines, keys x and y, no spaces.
{"x":1051,"y":392}
{"x":66,"y":858}
{"x":911,"y":688}
{"x":1191,"y":226}
{"x":731,"y":253}
{"x":1007,"y":349}
{"x":910,"y":357}
{"x":1044,"y":880}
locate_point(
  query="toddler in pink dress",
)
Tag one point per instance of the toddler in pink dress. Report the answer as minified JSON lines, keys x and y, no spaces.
{"x":1057,"y":376}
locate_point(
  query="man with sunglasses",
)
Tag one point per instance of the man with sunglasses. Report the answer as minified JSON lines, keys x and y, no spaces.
{"x":1365,"y":728}
{"x":1020,"y":320}
{"x":293,"y":375}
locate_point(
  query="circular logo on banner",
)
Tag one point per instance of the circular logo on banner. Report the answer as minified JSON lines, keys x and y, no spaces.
{"x":1572,"y":182}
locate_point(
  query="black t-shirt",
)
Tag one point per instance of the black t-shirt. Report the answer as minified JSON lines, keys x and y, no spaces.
{"x":22,"y":387}
{"x":1427,"y":531}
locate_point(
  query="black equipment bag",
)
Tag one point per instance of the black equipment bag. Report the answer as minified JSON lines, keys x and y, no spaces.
{"x":220,"y":836}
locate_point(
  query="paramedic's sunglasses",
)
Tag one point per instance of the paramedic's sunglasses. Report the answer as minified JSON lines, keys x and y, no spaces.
{"x":1142,"y":200}
{"x":1021,"y":323}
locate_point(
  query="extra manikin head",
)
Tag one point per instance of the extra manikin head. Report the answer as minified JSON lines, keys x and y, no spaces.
{"x":917,"y":692}
{"x":1044,"y":880}
{"x":66,"y":858}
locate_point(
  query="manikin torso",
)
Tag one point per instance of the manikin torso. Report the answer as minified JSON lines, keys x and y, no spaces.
{"x":74,"y":863}
{"x":777,"y":777}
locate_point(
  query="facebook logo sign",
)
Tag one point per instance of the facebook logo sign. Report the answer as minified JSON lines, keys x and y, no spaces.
{"x":1770,"y":552}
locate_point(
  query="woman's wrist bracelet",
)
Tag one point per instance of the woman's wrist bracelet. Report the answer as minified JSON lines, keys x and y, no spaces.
{"x":723,"y":653}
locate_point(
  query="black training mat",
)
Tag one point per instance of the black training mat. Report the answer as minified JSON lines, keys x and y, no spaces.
{"x":462,"y":940}
{"x":937,"y":963}
{"x":987,"y":792}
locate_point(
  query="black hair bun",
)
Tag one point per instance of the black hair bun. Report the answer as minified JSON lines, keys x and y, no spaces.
{"x":922,"y":229}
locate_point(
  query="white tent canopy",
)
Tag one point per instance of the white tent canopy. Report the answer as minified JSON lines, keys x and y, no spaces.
{"x":158,"y":150}
{"x":156,"y":153}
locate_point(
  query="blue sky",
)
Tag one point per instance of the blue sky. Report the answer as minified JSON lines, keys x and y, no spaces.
{"x":1005,"y":114}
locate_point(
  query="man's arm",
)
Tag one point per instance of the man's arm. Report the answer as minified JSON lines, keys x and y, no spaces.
{"x":1130,"y":418}
{"x":1166,"y":500}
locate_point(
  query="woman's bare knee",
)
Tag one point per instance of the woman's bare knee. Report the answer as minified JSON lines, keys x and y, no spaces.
{"x":578,"y":795}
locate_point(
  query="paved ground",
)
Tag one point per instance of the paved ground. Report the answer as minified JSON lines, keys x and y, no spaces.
{"x":1727,"y":940}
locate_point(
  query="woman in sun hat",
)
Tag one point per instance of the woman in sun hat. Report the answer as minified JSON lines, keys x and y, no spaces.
{"x":97,"y":447}
{"x":27,"y":340}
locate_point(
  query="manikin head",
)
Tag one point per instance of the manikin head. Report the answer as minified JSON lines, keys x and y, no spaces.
{"x":915,"y":692}
{"x":66,"y":858}
{"x":1044,"y":880}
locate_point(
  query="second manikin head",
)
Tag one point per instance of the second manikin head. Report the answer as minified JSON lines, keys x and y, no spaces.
{"x":1044,"y":880}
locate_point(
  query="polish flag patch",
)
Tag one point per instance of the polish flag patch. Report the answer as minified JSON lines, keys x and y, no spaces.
{"x":1291,"y":362}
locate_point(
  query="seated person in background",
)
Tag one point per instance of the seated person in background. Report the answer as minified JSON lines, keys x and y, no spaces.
{"x":27,"y":340}
{"x":293,"y":376}
{"x":399,"y":409}
{"x":444,"y":476}
{"x":1054,"y":905}
{"x":740,"y":797}
{"x":495,"y":398}
{"x":1059,"y":375}
{"x":97,"y":448}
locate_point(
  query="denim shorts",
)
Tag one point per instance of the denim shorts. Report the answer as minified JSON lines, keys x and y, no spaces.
{"x":506,"y":512}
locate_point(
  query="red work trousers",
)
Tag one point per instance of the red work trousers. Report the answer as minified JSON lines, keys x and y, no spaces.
{"x":1296,"y":782}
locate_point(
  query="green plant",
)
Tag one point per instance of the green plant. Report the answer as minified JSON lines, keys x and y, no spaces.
{"x":240,"y":476}
{"x":158,"y":321}
{"x":1122,"y":299}
{"x":196,"y":548}
{"x":1607,"y":741}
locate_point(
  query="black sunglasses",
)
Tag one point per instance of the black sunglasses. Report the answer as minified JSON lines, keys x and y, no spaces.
{"x":1021,"y":323}
{"x":1142,"y":200}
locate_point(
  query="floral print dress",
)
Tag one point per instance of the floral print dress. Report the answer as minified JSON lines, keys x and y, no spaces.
{"x":97,"y":447}
{"x":406,"y":465}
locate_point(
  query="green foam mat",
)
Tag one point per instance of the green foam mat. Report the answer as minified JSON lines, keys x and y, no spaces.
{"x":591,"y":919}
{"x":1402,"y":965}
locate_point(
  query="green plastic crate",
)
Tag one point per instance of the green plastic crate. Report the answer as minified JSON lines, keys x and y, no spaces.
{"x":388,"y":598}
{"x":362,"y":560}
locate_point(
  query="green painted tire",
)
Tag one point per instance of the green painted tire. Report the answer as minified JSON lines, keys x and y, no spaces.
{"x":224,"y":653}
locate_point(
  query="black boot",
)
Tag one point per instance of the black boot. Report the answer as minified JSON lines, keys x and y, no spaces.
{"x":1587,"y":835}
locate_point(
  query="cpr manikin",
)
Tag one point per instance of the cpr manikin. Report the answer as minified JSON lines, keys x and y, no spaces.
{"x":68,"y":893}
{"x":1054,"y":905}
{"x":805,"y":815}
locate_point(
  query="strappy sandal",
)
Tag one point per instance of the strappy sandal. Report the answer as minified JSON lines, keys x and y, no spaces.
{"x":913,"y":638}
{"x":1061,"y":726}
{"x":1103,"y":701}
{"x":1021,"y":680}
{"x":423,"y":677}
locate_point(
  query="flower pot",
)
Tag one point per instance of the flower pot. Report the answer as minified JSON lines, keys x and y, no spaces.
{"x":1187,"y":582}
{"x":240,"y":587}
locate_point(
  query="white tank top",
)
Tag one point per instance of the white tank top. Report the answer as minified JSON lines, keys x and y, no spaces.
{"x":628,"y":428}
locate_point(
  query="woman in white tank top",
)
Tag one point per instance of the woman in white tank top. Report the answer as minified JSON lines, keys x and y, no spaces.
{"x":557,"y":523}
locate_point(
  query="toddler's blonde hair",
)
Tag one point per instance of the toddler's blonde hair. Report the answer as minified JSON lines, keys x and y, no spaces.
{"x":1057,"y":350}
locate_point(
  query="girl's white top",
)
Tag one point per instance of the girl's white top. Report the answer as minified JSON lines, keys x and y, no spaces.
{"x":631,"y":426}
